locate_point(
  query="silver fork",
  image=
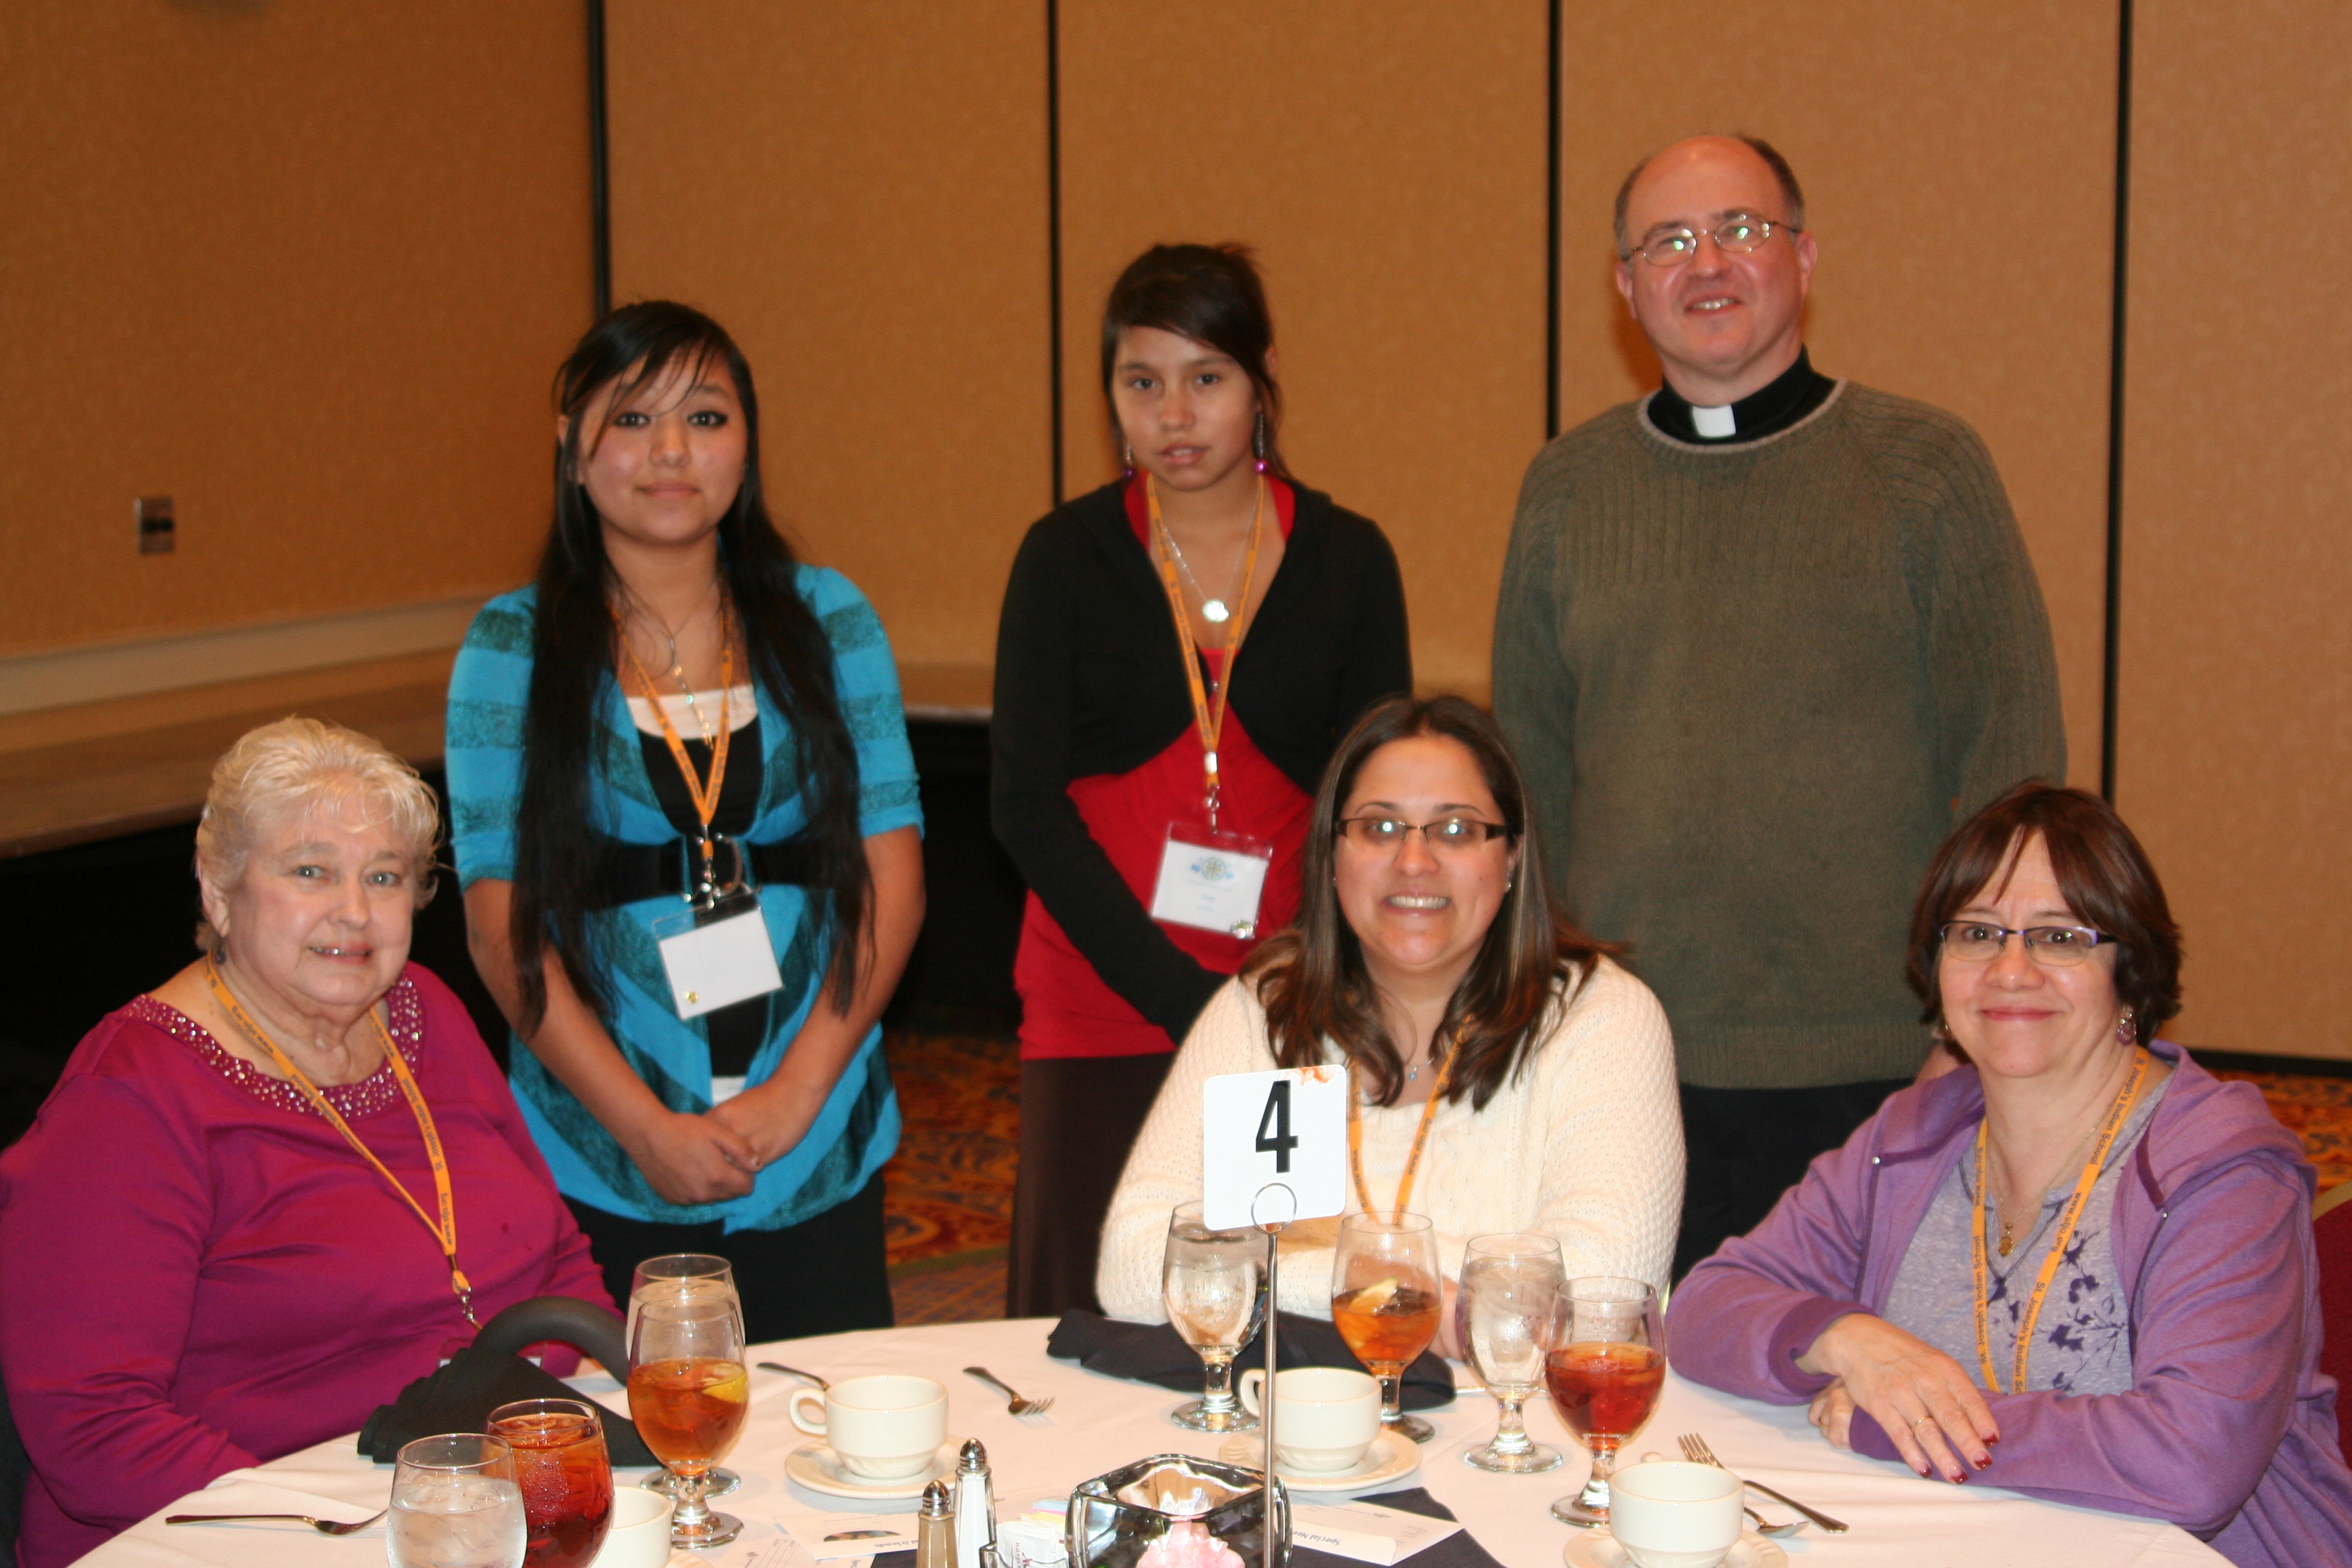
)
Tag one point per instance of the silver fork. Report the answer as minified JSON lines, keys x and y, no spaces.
{"x":1016,"y":1405}
{"x":1696,"y":1450}
{"x":323,"y":1526}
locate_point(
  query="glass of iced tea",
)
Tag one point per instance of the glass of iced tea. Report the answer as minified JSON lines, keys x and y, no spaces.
{"x":683,"y":1274}
{"x":1385,"y":1298}
{"x":688,"y":1395}
{"x":1606,"y":1368}
{"x":566,"y":1478}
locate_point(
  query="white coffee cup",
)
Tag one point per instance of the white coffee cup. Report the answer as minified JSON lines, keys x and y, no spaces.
{"x":1669,"y":1514}
{"x":639,"y":1536}
{"x":1324,"y":1417}
{"x":884,"y":1427}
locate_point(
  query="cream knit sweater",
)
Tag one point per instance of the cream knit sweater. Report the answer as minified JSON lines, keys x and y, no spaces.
{"x":1584,"y":1145}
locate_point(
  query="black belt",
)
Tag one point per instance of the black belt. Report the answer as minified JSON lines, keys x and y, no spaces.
{"x":629,"y":873}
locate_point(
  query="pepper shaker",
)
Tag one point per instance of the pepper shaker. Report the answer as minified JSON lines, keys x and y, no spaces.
{"x":935,"y":1529}
{"x":975,"y":1505}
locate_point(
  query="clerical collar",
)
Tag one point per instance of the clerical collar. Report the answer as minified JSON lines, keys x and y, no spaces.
{"x":1789,"y":397}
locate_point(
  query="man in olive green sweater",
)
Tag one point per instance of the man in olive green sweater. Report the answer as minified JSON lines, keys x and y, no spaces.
{"x":1764,"y":640}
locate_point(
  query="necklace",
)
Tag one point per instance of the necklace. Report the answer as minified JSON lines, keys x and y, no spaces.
{"x":2008,"y":1226}
{"x":677,"y":665}
{"x":1213,"y":610}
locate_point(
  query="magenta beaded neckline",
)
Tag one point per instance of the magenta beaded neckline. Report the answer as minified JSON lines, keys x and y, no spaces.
{"x":404,"y":1018}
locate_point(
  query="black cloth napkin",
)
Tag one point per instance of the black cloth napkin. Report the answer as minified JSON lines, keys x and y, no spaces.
{"x":1460,"y":1550}
{"x":1151,"y":1352}
{"x":460,"y":1396}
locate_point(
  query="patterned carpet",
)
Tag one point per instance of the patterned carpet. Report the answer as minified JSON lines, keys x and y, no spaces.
{"x":950,"y":1189}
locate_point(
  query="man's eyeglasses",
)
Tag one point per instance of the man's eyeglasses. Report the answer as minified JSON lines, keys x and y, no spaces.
{"x":1448,"y":833}
{"x":2057,"y":947}
{"x":1739,"y":236}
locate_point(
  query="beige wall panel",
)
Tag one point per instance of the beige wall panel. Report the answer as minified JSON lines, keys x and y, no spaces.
{"x":304,"y":267}
{"x":2235,"y":762}
{"x":858,"y":192}
{"x":1959,"y":165}
{"x":1387,"y":161}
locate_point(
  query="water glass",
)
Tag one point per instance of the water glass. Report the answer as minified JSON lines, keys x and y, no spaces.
{"x":1215,"y":1285}
{"x":566,"y":1475}
{"x":682,"y":1274}
{"x":456,"y":1504}
{"x":1505,"y":1308}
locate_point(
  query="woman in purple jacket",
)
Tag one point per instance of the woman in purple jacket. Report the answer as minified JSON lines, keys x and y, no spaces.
{"x":2078,"y":1263}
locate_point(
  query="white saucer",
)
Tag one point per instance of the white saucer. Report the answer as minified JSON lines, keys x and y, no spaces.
{"x":1389,"y":1458}
{"x":1598,"y":1549}
{"x":817,"y":1467}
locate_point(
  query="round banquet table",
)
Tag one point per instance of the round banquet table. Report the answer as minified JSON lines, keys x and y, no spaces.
{"x":1098,"y":1423}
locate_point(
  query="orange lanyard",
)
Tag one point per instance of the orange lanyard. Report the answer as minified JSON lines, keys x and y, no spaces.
{"x":1420,"y":1137}
{"x":1207,"y":717}
{"x":2116,"y":1115}
{"x":705,"y":794}
{"x":446,"y":1233}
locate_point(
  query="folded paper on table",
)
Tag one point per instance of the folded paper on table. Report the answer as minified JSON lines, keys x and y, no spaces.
{"x":1154,"y":1353}
{"x":1365,"y":1532}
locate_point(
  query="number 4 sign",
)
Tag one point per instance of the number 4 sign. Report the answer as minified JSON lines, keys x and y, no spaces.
{"x":1273,"y":1147}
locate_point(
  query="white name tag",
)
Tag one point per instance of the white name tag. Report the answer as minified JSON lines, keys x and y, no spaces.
{"x":1273,"y":1146}
{"x":1210,"y":881}
{"x":716,"y":957}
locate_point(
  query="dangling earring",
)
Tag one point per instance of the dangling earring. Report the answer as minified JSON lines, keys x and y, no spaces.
{"x":1257,"y":443}
{"x":2127,"y":1030}
{"x":1127,"y":457}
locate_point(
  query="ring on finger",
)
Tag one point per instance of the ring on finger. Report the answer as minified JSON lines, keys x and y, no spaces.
{"x":1923,"y":1421}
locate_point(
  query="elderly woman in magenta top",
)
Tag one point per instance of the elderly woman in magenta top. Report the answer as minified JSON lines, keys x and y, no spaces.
{"x":1179,"y":653}
{"x":222,"y":1240}
{"x":2076,"y":1265}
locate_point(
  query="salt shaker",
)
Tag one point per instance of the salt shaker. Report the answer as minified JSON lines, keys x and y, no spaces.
{"x":975,"y":1505}
{"x":935,"y":1529}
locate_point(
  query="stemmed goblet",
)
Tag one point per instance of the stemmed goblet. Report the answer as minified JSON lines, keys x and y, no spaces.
{"x":683,"y":1274}
{"x":689,"y":1394}
{"x":455,"y":1504}
{"x":1605,"y":1370}
{"x":1214,"y":1284}
{"x":1385,"y":1300}
{"x":1505,"y":1311}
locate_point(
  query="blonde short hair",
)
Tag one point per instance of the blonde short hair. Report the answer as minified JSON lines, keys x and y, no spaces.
{"x":298,"y":766}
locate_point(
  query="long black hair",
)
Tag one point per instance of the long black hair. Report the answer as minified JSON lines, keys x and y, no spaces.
{"x":1311,"y":977}
{"x":558,"y":866}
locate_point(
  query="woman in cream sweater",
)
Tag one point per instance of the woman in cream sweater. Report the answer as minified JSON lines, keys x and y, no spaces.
{"x":1428,"y":957}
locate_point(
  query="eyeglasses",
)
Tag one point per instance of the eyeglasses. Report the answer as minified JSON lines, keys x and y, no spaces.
{"x":1448,"y":833}
{"x":2053,"y":947}
{"x":1737,"y":235}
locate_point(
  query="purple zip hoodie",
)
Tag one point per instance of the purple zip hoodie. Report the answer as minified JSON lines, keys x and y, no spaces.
{"x":2230,"y":1428}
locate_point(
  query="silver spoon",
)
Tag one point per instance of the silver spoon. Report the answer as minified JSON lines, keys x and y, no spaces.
{"x":822,"y":1385}
{"x":1772,"y":1531}
{"x":323,"y":1526}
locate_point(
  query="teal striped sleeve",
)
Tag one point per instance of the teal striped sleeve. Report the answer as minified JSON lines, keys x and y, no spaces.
{"x":866,"y":676}
{"x":487,"y":693}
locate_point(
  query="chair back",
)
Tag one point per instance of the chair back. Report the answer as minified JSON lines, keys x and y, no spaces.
{"x":15,"y":1469}
{"x":2331,"y":1229}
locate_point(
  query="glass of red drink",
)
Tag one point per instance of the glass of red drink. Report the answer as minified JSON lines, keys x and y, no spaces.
{"x":1385,"y":1298}
{"x":566,"y":1477}
{"x":1605,"y":1370}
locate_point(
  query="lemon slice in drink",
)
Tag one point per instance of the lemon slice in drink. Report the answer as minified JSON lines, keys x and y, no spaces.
{"x":1373,"y":1297}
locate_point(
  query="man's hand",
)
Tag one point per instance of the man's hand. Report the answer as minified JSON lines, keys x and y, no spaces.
{"x":1933,"y":1414}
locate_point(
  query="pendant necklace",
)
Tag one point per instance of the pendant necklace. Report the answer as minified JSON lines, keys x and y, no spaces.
{"x":1213,"y":610}
{"x":2009,"y":1226}
{"x":678,"y":666}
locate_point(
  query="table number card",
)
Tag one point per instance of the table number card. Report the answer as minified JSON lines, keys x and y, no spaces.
{"x":1280,"y":1134}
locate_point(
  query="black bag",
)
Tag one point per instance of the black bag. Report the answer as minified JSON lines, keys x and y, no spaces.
{"x":489,"y":1372}
{"x":1153,"y":1352}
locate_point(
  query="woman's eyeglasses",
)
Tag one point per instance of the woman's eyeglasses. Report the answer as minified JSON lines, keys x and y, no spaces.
{"x":2058,"y":947}
{"x":1448,"y":833}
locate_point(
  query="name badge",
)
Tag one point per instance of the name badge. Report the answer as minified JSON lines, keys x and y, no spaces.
{"x":1210,"y":881}
{"x":717,"y":956}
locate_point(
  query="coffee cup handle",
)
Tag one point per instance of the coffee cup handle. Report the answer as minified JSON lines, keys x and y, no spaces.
{"x":1251,"y":1380}
{"x":793,"y":1407}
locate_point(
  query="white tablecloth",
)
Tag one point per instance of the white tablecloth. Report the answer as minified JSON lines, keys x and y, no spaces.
{"x":1098,"y":1423}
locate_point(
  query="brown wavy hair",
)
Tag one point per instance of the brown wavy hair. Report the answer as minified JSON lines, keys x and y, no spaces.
{"x":2101,"y":871}
{"x":1311,"y":977}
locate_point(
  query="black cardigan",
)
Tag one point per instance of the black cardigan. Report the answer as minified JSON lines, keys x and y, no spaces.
{"x":1090,"y":681}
